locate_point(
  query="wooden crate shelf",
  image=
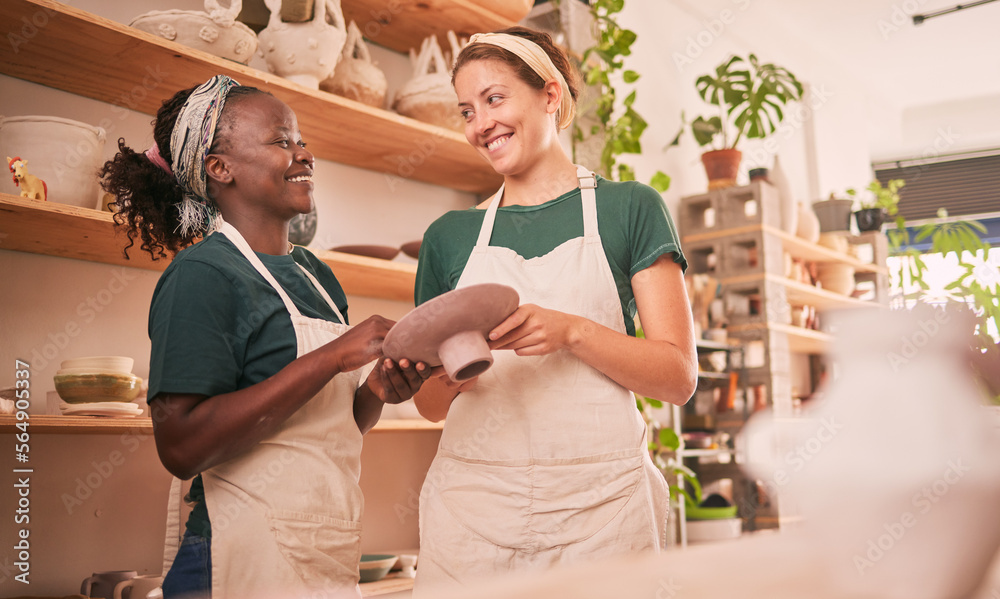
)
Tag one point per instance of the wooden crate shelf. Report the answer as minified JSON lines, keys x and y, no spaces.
{"x":84,"y":234}
{"x":91,"y":56}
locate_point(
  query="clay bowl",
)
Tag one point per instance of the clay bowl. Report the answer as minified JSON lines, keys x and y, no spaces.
{"x":97,"y":387}
{"x":372,"y":251}
{"x":411,"y":248}
{"x":100,"y":363}
{"x":375,"y":566}
{"x":451,"y":330}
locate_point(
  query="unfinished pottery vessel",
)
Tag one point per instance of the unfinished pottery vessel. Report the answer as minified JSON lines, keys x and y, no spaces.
{"x":451,"y":330}
{"x":356,"y":76}
{"x":215,"y":31}
{"x":304,"y":53}
{"x":66,"y":154}
{"x":429,"y":95}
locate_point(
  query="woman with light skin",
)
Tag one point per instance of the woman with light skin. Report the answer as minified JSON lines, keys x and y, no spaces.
{"x":543,"y":457}
{"x":255,"y":383}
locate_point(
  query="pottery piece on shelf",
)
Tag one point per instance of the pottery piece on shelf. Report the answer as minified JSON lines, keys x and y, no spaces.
{"x":304,"y":53}
{"x":789,"y":207}
{"x":836,"y":277}
{"x":302,"y":228}
{"x":384,"y":252}
{"x":411,"y":248}
{"x":721,"y":167}
{"x":834,"y":214}
{"x":451,"y":329}
{"x":429,"y":96}
{"x":808,"y":225}
{"x":356,"y":76}
{"x":215,"y":31}
{"x":31,"y":186}
{"x":870,"y":219}
{"x":65,"y":154}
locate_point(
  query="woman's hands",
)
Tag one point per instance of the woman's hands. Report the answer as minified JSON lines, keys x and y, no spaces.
{"x":535,"y":331}
{"x":394,"y":383}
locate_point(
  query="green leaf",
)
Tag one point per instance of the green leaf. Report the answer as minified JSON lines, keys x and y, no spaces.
{"x":630,"y":76}
{"x":660,"y":181}
{"x":669,"y":439}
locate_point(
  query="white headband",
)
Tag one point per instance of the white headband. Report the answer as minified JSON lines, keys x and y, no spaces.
{"x":539,"y":61}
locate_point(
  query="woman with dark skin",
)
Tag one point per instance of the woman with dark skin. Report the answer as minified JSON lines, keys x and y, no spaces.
{"x":254,"y":374}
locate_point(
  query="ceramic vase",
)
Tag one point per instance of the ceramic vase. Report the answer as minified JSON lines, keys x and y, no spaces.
{"x":63,"y":153}
{"x":808,"y":225}
{"x":356,"y":76}
{"x":304,"y":53}
{"x":429,"y":95}
{"x":215,"y":31}
{"x":898,"y":462}
{"x":833,"y":214}
{"x":870,"y":219}
{"x":789,"y":207}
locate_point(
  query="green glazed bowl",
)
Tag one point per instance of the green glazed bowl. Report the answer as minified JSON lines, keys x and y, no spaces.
{"x":97,"y":387}
{"x":375,"y":566}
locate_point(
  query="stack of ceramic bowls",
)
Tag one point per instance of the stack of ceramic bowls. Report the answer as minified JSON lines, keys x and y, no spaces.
{"x":98,"y":386}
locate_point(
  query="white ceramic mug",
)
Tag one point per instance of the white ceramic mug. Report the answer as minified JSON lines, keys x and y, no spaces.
{"x":138,"y":587}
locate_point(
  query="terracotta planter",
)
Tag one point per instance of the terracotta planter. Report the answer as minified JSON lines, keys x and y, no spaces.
{"x":722,"y":166}
{"x":870,"y":219}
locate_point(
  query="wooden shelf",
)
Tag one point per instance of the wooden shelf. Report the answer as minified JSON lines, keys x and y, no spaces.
{"x":800,"y":294}
{"x":85,"y":234}
{"x":403,"y":24}
{"x":796,"y":246}
{"x":91,"y":56}
{"x":97,"y":425}
{"x":394,"y":582}
{"x":800,"y":340}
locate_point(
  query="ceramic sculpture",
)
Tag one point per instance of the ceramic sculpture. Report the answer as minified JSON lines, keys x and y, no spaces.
{"x":215,"y":31}
{"x":302,"y":228}
{"x":65,"y":154}
{"x":356,"y":76}
{"x":31,"y":186}
{"x":304,"y":53}
{"x":429,"y":95}
{"x":451,"y":329}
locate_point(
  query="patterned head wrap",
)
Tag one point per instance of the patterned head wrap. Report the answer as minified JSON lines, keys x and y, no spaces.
{"x":190,"y":142}
{"x":536,"y":58}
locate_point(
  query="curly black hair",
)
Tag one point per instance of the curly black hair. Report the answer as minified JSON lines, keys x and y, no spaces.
{"x":146,"y":195}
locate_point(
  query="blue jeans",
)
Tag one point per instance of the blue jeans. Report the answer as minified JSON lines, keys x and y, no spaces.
{"x":190,"y":576}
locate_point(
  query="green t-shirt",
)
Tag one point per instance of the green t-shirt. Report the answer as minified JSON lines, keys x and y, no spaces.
{"x":634,"y":224}
{"x":217,"y":326}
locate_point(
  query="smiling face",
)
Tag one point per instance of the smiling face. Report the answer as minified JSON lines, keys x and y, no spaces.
{"x":260,"y":160}
{"x":509,"y":122}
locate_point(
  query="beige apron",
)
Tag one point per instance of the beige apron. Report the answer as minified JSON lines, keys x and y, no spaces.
{"x":286,"y":516}
{"x":544,"y":461}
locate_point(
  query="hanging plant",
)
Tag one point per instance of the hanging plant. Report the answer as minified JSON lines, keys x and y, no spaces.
{"x":601,"y":64}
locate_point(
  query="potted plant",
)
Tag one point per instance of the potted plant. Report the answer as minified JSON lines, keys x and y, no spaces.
{"x":750,"y":96}
{"x":880,"y":204}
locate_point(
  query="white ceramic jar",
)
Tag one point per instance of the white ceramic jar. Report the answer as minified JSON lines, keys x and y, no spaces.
{"x":304,"y":53}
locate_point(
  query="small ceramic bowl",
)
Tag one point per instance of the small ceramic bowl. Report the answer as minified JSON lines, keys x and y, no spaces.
{"x":97,"y":387}
{"x":100,"y":364}
{"x":375,"y":566}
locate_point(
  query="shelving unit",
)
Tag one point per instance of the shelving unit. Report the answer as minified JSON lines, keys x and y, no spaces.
{"x":734,"y":235}
{"x":84,"y":234}
{"x":91,"y":56}
{"x":97,"y":425}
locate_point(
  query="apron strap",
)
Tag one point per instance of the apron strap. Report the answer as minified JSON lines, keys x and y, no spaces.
{"x":237,"y":238}
{"x":588,"y":183}
{"x":323,"y":292}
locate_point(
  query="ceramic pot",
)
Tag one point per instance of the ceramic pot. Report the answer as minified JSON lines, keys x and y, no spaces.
{"x":808,"y":225}
{"x":870,"y":219}
{"x":833,"y":214}
{"x":304,"y":53}
{"x":65,"y":154}
{"x":836,"y":277}
{"x":102,"y":584}
{"x":789,"y":207}
{"x":429,"y":96}
{"x":356,"y":76}
{"x":302,"y":228}
{"x":759,"y":174}
{"x":215,"y":31}
{"x":721,"y":166}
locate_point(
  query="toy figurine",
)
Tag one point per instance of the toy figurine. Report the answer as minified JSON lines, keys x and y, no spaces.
{"x":31,"y":186}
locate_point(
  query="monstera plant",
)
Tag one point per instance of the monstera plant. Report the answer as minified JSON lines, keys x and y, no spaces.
{"x":750,"y":97}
